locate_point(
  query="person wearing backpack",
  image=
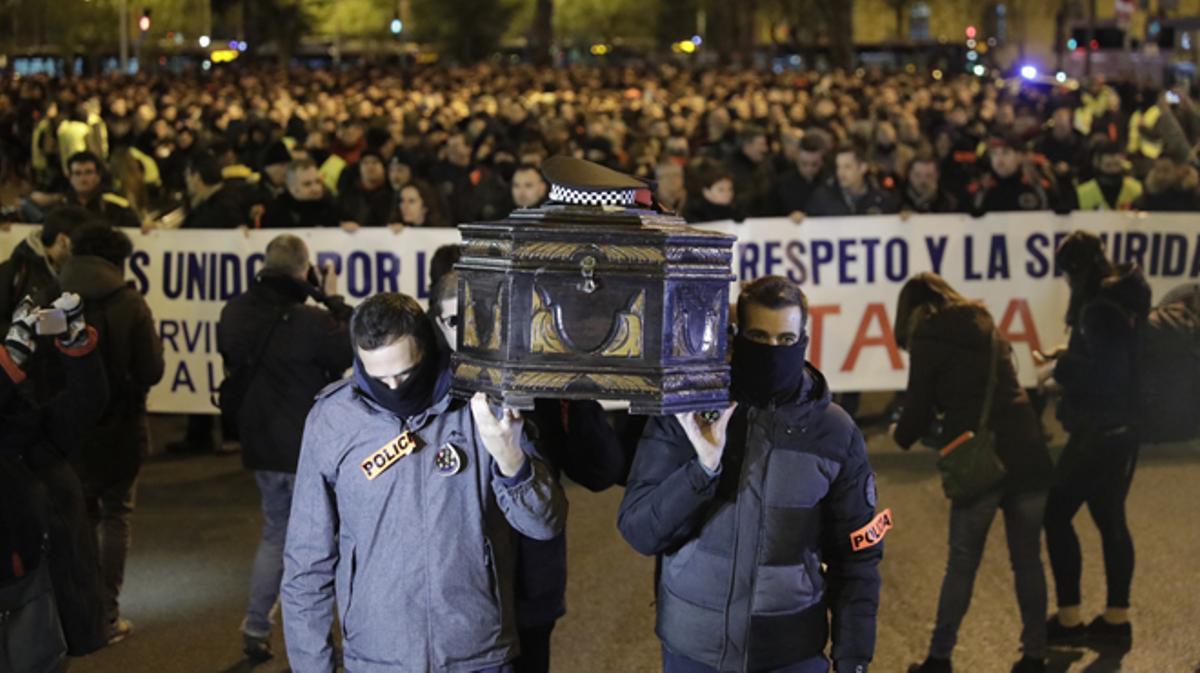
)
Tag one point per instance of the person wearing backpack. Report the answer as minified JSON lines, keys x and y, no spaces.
{"x":961,"y":370}
{"x":279,"y":352}
{"x":111,"y":455}
{"x":1098,"y":372}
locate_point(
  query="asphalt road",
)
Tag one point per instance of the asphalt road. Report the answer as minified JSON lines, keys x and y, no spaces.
{"x":196,"y":527}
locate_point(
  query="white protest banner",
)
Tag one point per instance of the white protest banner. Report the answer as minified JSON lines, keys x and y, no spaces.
{"x":852,"y":270}
{"x":188,"y":275}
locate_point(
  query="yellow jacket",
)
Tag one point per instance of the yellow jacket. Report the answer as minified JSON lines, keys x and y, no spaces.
{"x":1092,"y":198}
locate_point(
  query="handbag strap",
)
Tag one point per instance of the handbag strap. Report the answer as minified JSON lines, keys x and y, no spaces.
{"x":990,"y":394}
{"x":260,"y":350}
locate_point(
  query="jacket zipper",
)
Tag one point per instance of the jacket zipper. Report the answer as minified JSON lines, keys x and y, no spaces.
{"x":754,"y":567}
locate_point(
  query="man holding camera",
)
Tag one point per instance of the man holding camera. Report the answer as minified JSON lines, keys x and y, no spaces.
{"x":281,"y":350}
{"x":37,"y":434}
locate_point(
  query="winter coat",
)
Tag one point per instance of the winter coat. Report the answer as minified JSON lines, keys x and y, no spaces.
{"x":26,"y":272}
{"x":43,"y":437}
{"x":793,"y":191}
{"x":755,"y":557}
{"x":948,"y":373}
{"x":1098,"y":373}
{"x":133,"y":363}
{"x":368,"y":208}
{"x":223,"y":209}
{"x":574,"y":438}
{"x":830,"y":200}
{"x":421,"y":560}
{"x":309,"y":348}
{"x":286,"y":212}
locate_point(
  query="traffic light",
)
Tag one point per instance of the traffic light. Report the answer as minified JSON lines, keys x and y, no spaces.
{"x":971,"y":32}
{"x":397,"y":25}
{"x":144,"y":22}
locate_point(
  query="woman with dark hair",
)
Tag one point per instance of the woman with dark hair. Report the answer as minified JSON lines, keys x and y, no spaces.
{"x":1098,"y":374}
{"x":421,"y":206}
{"x":955,"y":354}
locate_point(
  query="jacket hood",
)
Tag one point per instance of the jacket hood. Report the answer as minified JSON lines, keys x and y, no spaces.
{"x":962,"y":324}
{"x":91,"y":277}
{"x":1127,"y":287}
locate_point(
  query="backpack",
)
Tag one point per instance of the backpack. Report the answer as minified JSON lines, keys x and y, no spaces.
{"x":1169,"y":368}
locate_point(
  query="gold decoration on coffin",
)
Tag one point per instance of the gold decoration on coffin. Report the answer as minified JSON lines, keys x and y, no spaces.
{"x":563,"y":252}
{"x":470,"y":335}
{"x":476,"y":373}
{"x":549,"y":380}
{"x":562,"y":380}
{"x":623,"y":382}
{"x":545,"y":331}
{"x":493,"y":342}
{"x":628,"y":341}
{"x":470,"y":325}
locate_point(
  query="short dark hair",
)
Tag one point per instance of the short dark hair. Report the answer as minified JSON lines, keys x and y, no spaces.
{"x":530,"y":167}
{"x":855,"y":149}
{"x":388,"y":316}
{"x":103,"y":241}
{"x":710,"y":173}
{"x":811,"y":144}
{"x":205,"y":165}
{"x":925,"y":158}
{"x":443,"y":261}
{"x":445,"y":288}
{"x":750,"y":133}
{"x":66,"y":220}
{"x":84,"y":157}
{"x":773,"y":292}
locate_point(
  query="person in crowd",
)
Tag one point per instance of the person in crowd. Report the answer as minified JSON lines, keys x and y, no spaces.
{"x":85,"y":173}
{"x":304,"y":204}
{"x":1170,"y":186}
{"x":574,"y":438}
{"x":420,"y":206}
{"x":752,"y":171}
{"x":273,"y":177}
{"x":669,"y":186}
{"x":284,"y":350}
{"x":212,"y":205}
{"x":958,"y":363}
{"x":1062,"y":147}
{"x":743,"y":510}
{"x":1112,"y":188}
{"x":111,"y":454}
{"x":1097,"y":371}
{"x":456,"y":178}
{"x":852,"y":191}
{"x":529,"y":188}
{"x":367,"y":201}
{"x":715,"y":200}
{"x":39,"y":432}
{"x":1013,"y":182}
{"x":923,"y":192}
{"x":33,"y":267}
{"x":383,"y":451}
{"x":797,"y":185}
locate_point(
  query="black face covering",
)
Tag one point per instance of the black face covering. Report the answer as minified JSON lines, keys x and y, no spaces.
{"x":421,"y":390}
{"x":764,"y":374}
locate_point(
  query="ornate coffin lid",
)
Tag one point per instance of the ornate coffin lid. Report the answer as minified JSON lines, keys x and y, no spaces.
{"x":624,"y":236}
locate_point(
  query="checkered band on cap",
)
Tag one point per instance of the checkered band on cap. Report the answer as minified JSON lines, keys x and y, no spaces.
{"x":592,"y":197}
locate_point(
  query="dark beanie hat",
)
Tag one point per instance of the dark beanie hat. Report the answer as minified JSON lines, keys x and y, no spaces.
{"x":377,"y":137}
{"x":277,"y":153}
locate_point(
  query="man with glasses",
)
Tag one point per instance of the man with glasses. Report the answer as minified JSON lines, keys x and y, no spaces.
{"x":86,"y":175}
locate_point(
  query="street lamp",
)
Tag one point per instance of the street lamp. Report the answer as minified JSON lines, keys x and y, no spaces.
{"x":144,"y":22}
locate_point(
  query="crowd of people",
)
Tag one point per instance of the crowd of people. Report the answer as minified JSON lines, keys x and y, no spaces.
{"x":442,"y":146}
{"x":761,"y":562}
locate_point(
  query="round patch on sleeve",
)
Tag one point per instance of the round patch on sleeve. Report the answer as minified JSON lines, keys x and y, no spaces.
{"x":872,"y":495}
